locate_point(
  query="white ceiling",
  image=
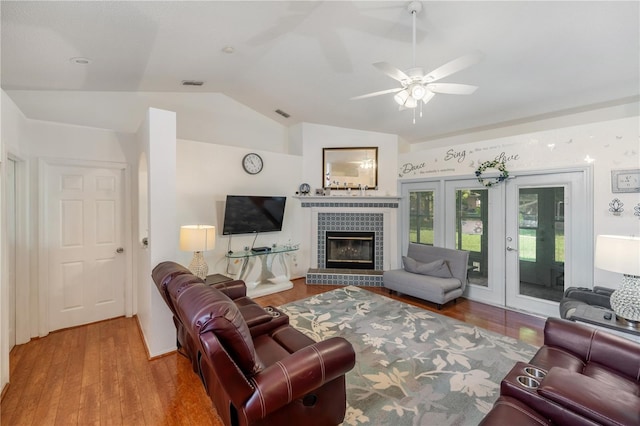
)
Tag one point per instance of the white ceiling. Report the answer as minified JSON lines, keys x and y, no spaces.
{"x":309,"y":58}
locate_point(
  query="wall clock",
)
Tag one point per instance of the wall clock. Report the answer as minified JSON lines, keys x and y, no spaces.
{"x":252,"y":163}
{"x":625,"y":180}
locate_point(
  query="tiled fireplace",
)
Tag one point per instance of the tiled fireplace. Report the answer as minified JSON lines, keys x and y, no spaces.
{"x":350,"y":250}
{"x":362,"y":232}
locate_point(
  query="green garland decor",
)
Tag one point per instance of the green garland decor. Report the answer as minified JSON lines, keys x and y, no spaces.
{"x":495,"y":164}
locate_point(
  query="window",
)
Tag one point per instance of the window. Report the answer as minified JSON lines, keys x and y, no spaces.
{"x":421,"y":217}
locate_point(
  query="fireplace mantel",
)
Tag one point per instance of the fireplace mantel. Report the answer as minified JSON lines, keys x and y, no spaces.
{"x":345,"y":199}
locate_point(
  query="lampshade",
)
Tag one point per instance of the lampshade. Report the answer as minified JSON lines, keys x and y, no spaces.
{"x":618,"y":254}
{"x":410,"y":103}
{"x":401,"y":97}
{"x":197,"y":237}
{"x":622,"y":254}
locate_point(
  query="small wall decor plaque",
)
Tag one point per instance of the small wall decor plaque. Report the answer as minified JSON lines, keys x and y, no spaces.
{"x":625,"y":180}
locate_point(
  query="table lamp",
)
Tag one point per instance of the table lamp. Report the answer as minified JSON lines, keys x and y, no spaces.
{"x":198,"y":238}
{"x":622,"y":254}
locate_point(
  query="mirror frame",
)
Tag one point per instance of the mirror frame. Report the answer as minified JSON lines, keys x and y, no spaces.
{"x":347,"y":155}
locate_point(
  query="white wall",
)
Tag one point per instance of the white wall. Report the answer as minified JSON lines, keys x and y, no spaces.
{"x":624,"y":108}
{"x":207,"y":173}
{"x":56,"y":140}
{"x":12,"y":134}
{"x":206,"y":117}
{"x":157,"y":139}
{"x":314,"y":137}
{"x":606,"y":145}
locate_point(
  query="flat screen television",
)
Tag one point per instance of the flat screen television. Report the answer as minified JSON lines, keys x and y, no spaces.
{"x":248,"y":214}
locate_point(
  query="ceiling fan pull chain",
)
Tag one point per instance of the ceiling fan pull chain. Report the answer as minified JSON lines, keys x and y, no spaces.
{"x":414,"y":116}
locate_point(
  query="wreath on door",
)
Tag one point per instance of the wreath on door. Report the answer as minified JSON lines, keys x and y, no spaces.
{"x":495,"y":164}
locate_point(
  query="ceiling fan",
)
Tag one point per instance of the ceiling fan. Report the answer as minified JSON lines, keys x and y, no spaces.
{"x":417,"y":86}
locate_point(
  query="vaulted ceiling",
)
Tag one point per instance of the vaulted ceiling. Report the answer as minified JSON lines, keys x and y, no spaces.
{"x":309,"y":58}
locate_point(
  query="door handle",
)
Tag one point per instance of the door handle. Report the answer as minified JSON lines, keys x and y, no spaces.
{"x":511,"y":249}
{"x":119,"y":250}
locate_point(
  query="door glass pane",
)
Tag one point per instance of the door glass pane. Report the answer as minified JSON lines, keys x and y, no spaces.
{"x":541,"y":242}
{"x":528,"y":223}
{"x":472,"y":231}
{"x":421,"y":217}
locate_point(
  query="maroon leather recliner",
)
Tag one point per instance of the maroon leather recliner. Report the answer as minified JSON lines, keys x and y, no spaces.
{"x":172,"y":278}
{"x":588,"y":377}
{"x":276,"y":376}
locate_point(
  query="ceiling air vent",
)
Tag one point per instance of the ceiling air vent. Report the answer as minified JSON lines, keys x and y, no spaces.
{"x":282,"y":113}
{"x":192,"y":83}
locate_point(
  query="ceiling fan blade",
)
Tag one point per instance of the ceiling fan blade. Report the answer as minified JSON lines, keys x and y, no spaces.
{"x":452,"y":67}
{"x":382,"y":92}
{"x":452,"y":88}
{"x":391,"y":71}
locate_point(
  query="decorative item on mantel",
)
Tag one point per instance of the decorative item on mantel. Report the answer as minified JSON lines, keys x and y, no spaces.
{"x":636,"y":209}
{"x":615,"y":207}
{"x":198,"y":238}
{"x":622,"y":254}
{"x":304,"y":189}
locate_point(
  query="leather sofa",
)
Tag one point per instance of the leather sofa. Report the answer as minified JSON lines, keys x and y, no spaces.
{"x":580,"y":376}
{"x":255,"y":367}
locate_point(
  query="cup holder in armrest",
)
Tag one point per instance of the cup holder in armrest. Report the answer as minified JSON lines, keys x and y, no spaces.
{"x":271,"y":311}
{"x":534,"y":372}
{"x":528,"y":382}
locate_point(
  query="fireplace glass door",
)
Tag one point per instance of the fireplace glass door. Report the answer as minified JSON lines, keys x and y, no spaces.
{"x":350,"y":250}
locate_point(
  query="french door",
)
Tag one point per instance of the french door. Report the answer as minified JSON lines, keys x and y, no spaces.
{"x":527,"y":238}
{"x":548,"y":239}
{"x":475,"y":222}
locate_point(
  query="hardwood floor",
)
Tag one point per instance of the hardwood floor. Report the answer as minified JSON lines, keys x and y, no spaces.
{"x":99,"y":374}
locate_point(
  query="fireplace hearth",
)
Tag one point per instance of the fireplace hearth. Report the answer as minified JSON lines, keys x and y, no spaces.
{"x":350,"y":250}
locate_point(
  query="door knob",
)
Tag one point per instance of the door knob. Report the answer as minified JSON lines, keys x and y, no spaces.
{"x":119,"y":250}
{"x":511,"y":249}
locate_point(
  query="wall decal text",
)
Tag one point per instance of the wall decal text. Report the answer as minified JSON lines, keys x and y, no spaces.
{"x":453,"y":154}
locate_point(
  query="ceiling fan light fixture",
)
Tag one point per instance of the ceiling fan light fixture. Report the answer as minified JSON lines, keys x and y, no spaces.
{"x":418,"y":91}
{"x":416,"y":87}
{"x":411,"y":102}
{"x":401,"y":97}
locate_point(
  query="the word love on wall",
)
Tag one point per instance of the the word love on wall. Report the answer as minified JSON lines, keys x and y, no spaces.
{"x":447,"y":161}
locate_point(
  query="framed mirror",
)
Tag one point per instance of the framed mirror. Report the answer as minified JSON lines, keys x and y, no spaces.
{"x":353,"y":168}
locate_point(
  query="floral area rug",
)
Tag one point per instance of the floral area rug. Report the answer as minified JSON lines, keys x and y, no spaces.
{"x":413,"y":367}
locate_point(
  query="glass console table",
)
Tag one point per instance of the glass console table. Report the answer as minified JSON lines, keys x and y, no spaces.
{"x":265,"y":272}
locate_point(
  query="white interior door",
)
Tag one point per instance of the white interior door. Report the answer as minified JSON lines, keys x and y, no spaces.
{"x":84,"y":236}
{"x":548,"y":239}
